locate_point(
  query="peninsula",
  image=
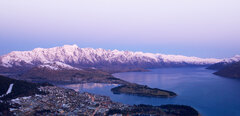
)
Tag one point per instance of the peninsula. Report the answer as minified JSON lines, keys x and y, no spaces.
{"x":142,"y":90}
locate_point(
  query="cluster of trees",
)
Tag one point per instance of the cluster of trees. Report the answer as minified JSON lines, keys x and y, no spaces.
{"x":173,"y":110}
{"x":180,"y":110}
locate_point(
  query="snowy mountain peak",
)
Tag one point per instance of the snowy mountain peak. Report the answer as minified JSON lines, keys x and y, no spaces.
{"x":74,"y":46}
{"x":38,"y":49}
{"x":72,"y":55}
{"x":236,"y":58}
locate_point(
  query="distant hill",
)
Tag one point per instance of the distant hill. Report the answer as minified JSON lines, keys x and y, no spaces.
{"x":218,"y":66}
{"x":229,"y":67}
{"x":224,"y":63}
{"x":49,"y":74}
{"x":232,"y":70}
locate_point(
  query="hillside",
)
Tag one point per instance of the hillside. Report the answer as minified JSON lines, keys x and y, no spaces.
{"x":19,"y":88}
{"x":232,"y":71}
{"x":225,"y":62}
{"x":47,"y":74}
{"x":229,"y":67}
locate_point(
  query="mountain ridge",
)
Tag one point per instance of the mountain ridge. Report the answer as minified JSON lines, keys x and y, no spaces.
{"x":230,"y":71}
{"x":229,"y":67}
{"x":225,"y":62}
{"x":77,"y":57}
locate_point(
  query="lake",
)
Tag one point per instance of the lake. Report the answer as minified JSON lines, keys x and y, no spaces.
{"x":211,"y":95}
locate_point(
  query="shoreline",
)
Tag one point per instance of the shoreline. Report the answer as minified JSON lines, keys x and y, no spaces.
{"x":142,"y":90}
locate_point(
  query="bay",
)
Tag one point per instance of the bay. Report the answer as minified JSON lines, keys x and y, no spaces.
{"x":211,"y":95}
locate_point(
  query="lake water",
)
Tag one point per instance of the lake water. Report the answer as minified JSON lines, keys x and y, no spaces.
{"x":196,"y":86}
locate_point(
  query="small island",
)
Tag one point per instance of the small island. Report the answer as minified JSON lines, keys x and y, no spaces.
{"x":142,"y":90}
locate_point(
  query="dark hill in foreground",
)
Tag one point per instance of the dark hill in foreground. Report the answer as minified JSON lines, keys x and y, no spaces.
{"x":20,"y":88}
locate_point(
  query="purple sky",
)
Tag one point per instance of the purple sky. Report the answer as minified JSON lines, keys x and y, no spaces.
{"x":203,"y":28}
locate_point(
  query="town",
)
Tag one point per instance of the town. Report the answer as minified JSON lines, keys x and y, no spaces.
{"x":60,"y":101}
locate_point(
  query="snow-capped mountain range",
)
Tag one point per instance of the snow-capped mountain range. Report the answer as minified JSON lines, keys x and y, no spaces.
{"x":73,"y":57}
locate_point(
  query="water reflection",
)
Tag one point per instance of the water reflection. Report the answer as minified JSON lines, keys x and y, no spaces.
{"x":196,"y":87}
{"x":88,"y":86}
